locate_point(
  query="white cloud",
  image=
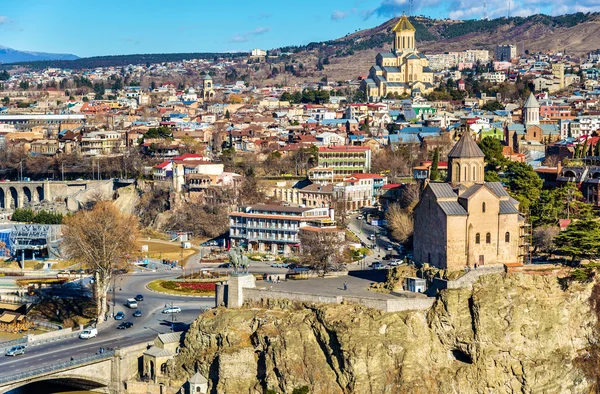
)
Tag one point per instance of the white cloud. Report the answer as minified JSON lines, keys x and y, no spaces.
{"x":3,"y":20}
{"x":247,"y":36}
{"x":338,"y":15}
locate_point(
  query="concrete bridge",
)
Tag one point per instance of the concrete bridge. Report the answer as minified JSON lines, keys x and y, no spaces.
{"x":103,"y":373}
{"x":15,"y":195}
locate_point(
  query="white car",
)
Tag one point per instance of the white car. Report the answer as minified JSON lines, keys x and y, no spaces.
{"x":172,"y":309}
{"x":89,"y":333}
{"x":396,"y":263}
{"x":360,"y":217}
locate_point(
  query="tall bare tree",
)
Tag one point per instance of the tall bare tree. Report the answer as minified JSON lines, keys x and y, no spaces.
{"x":102,"y":239}
{"x":321,"y":250}
{"x":400,"y":223}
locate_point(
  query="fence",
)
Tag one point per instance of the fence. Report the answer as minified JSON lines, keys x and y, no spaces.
{"x":55,"y":367}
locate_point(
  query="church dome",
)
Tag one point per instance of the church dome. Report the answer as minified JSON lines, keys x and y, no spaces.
{"x":465,"y":147}
{"x":403,"y":25}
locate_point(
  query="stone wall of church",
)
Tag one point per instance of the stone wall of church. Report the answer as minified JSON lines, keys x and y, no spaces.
{"x":456,"y":243}
{"x":429,"y":245}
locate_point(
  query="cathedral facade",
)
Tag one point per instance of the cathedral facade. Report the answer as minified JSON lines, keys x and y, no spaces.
{"x":404,"y":70}
{"x":467,"y":222}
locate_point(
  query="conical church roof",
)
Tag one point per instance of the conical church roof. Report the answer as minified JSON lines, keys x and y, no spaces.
{"x":403,"y":25}
{"x":465,"y":147}
{"x":531,"y":102}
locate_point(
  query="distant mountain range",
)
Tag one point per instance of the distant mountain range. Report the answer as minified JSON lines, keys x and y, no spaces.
{"x":9,"y":55}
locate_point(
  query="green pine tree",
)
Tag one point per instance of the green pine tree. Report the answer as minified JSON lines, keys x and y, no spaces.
{"x":434,"y":175}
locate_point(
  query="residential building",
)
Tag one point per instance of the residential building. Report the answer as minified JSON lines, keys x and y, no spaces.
{"x":343,"y":161}
{"x":275,"y":228}
{"x":505,"y":53}
{"x":101,"y":143}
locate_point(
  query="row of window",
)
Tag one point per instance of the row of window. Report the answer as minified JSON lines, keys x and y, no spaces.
{"x":488,"y":238}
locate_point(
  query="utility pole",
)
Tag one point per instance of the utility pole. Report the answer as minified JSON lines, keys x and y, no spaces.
{"x":62,"y":168}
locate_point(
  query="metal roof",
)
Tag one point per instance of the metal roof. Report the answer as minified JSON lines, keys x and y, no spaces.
{"x":496,"y":188}
{"x":466,"y":147}
{"x":442,"y":190}
{"x":507,"y":208}
{"x":452,"y":208}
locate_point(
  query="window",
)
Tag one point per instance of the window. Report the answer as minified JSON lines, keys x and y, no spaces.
{"x":477,"y":238}
{"x":483,"y":207}
{"x":488,"y":238}
{"x":507,"y":237}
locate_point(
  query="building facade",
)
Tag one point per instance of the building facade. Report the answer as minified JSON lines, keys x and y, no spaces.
{"x":467,"y":222}
{"x":402,"y":71}
{"x":275,"y":228}
{"x":505,"y":53}
{"x":338,"y":162}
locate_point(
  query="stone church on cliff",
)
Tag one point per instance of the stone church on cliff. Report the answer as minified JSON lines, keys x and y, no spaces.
{"x":466,"y":222}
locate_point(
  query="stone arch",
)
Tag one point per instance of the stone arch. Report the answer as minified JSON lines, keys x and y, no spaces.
{"x":28,"y":196}
{"x":68,"y":379}
{"x":40,"y":193}
{"x":13,"y":198}
{"x":569,"y":174}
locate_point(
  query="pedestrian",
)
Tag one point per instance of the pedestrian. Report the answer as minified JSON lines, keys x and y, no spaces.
{"x":345,"y":285}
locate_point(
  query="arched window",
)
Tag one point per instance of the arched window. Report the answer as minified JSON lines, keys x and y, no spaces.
{"x":477,"y":238}
{"x":474,"y":177}
{"x":507,"y":237}
{"x":483,"y":207}
{"x":488,"y":238}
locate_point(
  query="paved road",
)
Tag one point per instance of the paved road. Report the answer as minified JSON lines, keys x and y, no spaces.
{"x":145,"y":328}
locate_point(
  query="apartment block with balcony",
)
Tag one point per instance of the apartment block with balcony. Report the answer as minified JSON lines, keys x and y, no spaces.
{"x":343,"y":161}
{"x":275,"y":228}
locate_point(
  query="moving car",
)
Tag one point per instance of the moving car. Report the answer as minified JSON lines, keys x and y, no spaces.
{"x":125,"y":325}
{"x":89,"y":333}
{"x":387,"y":257}
{"x":132,"y":303}
{"x":224,"y":265}
{"x":172,"y":309}
{"x":360,"y":217}
{"x":119,"y":316}
{"x":137,"y":313}
{"x":139,"y":297}
{"x":396,"y":263}
{"x":15,"y":350}
{"x":377,"y":265}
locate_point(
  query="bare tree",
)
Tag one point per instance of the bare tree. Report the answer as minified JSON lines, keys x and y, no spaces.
{"x":321,"y":249}
{"x":411,"y":194}
{"x":543,"y":238}
{"x":102,"y":239}
{"x":400,"y":223}
{"x":204,"y":220}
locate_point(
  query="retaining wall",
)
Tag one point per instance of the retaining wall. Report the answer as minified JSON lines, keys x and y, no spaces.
{"x":386,"y":305}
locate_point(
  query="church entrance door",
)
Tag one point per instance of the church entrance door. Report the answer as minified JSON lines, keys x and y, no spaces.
{"x":481,"y":259}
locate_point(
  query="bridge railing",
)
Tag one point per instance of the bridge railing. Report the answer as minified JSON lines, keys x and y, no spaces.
{"x":55,"y":367}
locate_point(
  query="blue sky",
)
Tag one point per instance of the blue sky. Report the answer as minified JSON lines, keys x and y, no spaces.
{"x":110,"y":27}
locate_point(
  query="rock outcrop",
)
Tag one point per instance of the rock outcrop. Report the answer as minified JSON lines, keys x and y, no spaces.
{"x":508,"y":334}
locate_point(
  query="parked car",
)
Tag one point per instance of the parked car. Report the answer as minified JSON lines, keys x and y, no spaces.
{"x":395,"y":263}
{"x":377,"y":265}
{"x":89,"y":333}
{"x":119,"y":316}
{"x":15,"y":350}
{"x":371,"y":236}
{"x":137,"y":313}
{"x":389,"y":247}
{"x":387,"y":257}
{"x":125,"y":325}
{"x":139,"y":297}
{"x":172,"y":309}
{"x":224,"y":265}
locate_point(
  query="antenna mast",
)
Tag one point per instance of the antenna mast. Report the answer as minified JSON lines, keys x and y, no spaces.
{"x":410,"y":7}
{"x":485,"y":15}
{"x":509,"y":8}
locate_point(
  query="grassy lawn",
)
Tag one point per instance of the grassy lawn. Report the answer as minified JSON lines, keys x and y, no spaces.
{"x":168,"y":251}
{"x":170,"y":287}
{"x":36,"y":264}
{"x":11,"y":336}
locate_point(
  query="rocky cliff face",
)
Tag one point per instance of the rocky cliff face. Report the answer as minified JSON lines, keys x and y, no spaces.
{"x":510,"y":333}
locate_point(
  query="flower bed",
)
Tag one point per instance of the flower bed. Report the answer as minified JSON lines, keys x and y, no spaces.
{"x":189,"y":288}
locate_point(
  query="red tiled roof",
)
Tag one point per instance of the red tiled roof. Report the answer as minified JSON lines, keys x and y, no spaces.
{"x":162,"y":165}
{"x":367,"y":176}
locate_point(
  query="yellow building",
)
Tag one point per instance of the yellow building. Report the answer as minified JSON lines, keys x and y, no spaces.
{"x":402,"y":71}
